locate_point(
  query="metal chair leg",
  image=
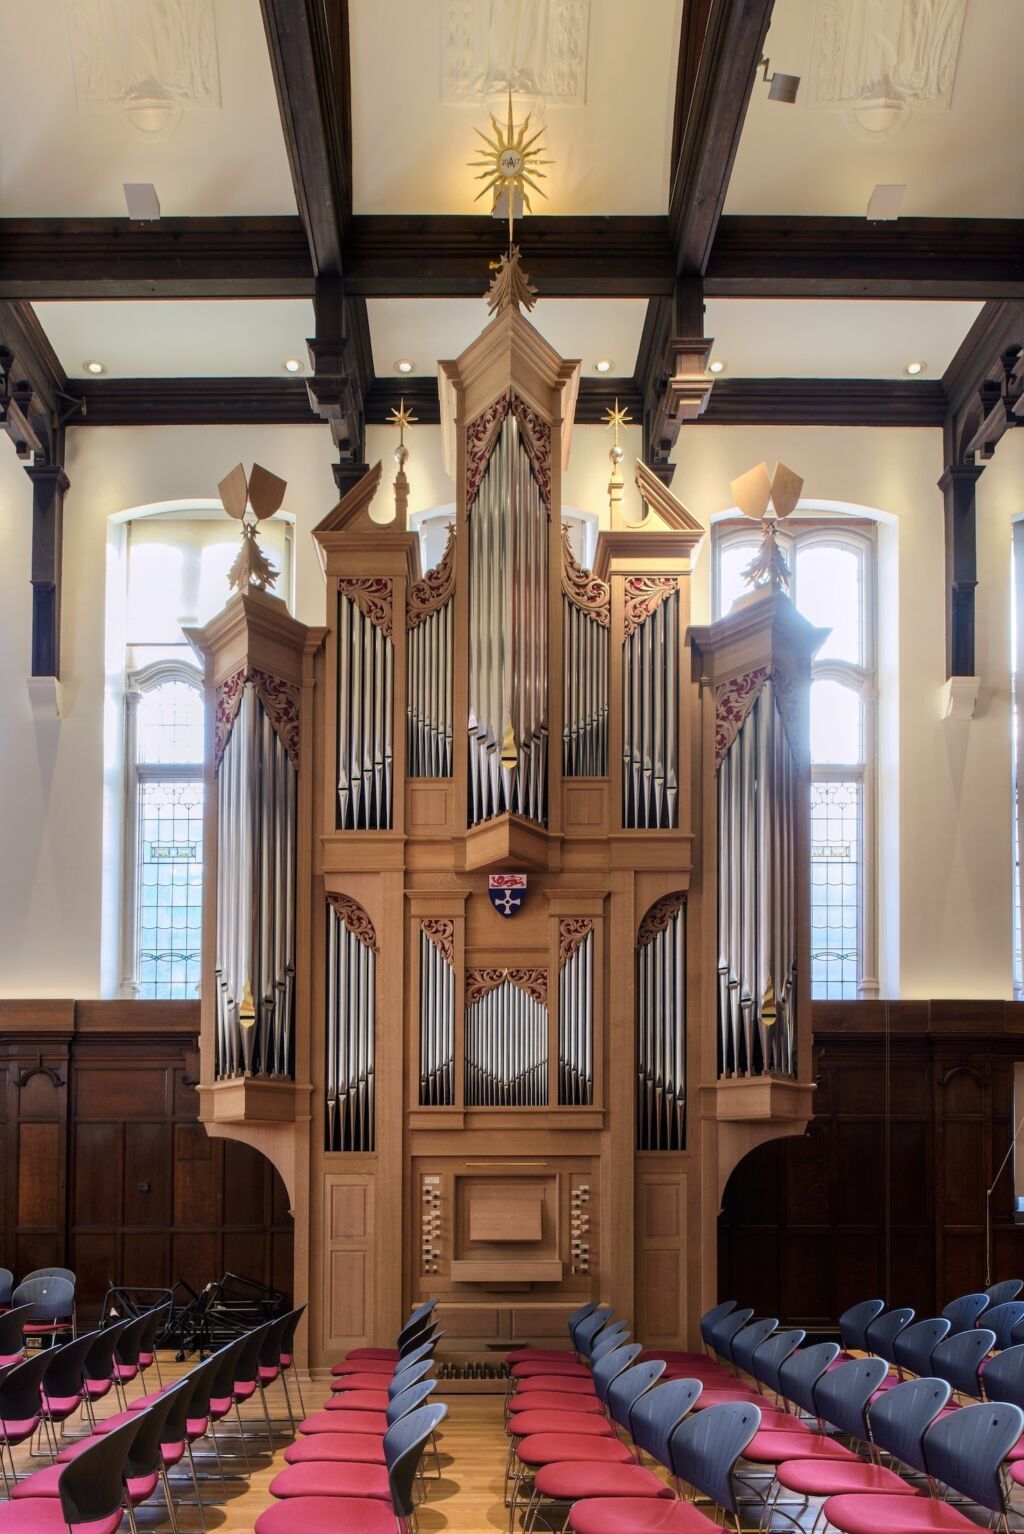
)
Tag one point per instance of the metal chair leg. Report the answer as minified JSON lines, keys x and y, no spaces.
{"x":288,"y":1401}
{"x":245,"y":1446}
{"x":266,"y":1417}
{"x":168,"y":1498}
{"x":195,"y":1483}
{"x":298,"y":1387}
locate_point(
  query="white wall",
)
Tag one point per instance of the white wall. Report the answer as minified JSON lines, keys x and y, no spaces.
{"x":945,"y":786}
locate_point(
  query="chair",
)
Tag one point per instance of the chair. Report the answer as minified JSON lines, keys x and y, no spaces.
{"x":1003,"y":1376}
{"x":376,"y":1399}
{"x":748,"y":1339}
{"x":1009,"y":1289}
{"x":99,"y":1366}
{"x":914,"y":1345}
{"x":64,"y":1389}
{"x":332,"y":1509}
{"x":126,"y":1354}
{"x":247,"y":1378}
{"x":65,"y":1273}
{"x":375,"y":1423}
{"x":357,"y":1364}
{"x":90,"y":1491}
{"x":157,"y":1320}
{"x":12,"y":1334}
{"x":6,"y":1286}
{"x":843,"y":1395}
{"x":366,"y":1443}
{"x":54,"y":1303}
{"x":21,"y":1406}
{"x":725,"y":1329}
{"x":853,"y":1324}
{"x":287,"y":1358}
{"x":587,"y":1330}
{"x":768,"y":1359}
{"x":270,"y":1365}
{"x":802,"y":1370}
{"x":711,"y":1317}
{"x":963,"y":1313}
{"x":610,"y":1338}
{"x":881,"y":1333}
{"x":1004,"y":1320}
{"x":958,"y":1358}
{"x":965,"y":1451}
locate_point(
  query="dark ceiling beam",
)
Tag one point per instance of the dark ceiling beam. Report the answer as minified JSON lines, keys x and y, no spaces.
{"x":984,"y":385}
{"x":308,"y":42}
{"x":284,"y":401}
{"x":34,"y":406}
{"x":408,"y":256}
{"x":107,"y":258}
{"x":938,"y":258}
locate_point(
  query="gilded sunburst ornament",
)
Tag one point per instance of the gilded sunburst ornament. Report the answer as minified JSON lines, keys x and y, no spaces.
{"x":510,"y":162}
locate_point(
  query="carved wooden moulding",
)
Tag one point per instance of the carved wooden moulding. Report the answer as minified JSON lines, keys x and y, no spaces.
{"x":280,"y":700}
{"x":572,"y":931}
{"x":658,"y":917}
{"x":373,"y":595}
{"x":481,"y":435}
{"x":434,"y":590}
{"x":440,"y":931}
{"x":582,"y":587}
{"x":354,"y":919}
{"x":643,"y":593}
{"x":735,"y":698}
{"x":533,"y":981}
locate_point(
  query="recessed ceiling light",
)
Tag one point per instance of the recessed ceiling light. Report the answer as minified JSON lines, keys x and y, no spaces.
{"x":603,"y":365}
{"x":716,"y":367}
{"x":403,"y":365}
{"x":915,"y":369}
{"x":292,"y":365}
{"x":94,"y":367}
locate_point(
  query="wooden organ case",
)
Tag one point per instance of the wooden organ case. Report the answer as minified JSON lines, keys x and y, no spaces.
{"x":513,"y":1113}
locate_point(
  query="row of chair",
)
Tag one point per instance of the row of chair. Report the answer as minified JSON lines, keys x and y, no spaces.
{"x":150,"y":1435}
{"x":580,"y":1427}
{"x":356,"y":1466}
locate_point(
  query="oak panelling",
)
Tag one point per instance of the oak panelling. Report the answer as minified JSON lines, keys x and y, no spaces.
{"x":105,"y":1167}
{"x":868,"y":1204}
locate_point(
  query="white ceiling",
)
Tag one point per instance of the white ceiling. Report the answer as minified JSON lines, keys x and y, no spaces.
{"x":410,"y":148}
{"x":62,"y":160}
{"x":962,"y":162}
{"x":834,"y":338}
{"x":240,"y":338}
{"x":423,"y":331}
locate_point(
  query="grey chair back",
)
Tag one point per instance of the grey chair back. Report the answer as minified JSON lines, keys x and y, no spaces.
{"x":966,"y":1450}
{"x":901,"y":1416}
{"x":706,"y":1446}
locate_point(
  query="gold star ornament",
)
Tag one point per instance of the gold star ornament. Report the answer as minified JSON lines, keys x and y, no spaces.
{"x":617,"y":418}
{"x":401,"y":418}
{"x":510,"y":162}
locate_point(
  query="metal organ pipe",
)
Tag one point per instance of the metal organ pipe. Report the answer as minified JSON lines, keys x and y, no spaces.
{"x":661,"y":1027}
{"x":365,"y":716}
{"x":757,"y":896}
{"x":256,"y":806}
{"x":576,"y":1025}
{"x":508,"y":640}
{"x":437,"y":1016}
{"x":351,"y":1010}
{"x":430,"y":611}
{"x":650,"y":714}
{"x":506,"y":1043}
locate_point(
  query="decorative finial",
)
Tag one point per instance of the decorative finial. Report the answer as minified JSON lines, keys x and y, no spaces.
{"x":510,"y":285}
{"x":262,"y":494}
{"x":510,"y":163}
{"x":401,"y":418}
{"x":767,"y":498}
{"x":615,"y":419}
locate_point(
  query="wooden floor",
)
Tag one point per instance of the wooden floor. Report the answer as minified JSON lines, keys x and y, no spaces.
{"x":466,"y":1500}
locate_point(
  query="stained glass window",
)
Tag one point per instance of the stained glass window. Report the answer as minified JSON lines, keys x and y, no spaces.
{"x":832,"y":580}
{"x":170,"y":889}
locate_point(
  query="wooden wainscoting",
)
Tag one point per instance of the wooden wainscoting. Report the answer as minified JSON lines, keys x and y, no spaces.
{"x":875,"y":1202}
{"x":105,"y":1167}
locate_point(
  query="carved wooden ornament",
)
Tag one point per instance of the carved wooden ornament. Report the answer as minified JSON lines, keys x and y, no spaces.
{"x":373,"y":595}
{"x":354,"y":919}
{"x":572,"y":931}
{"x":643,"y":593}
{"x":481,"y":981}
{"x":582,"y":587}
{"x":434,"y":590}
{"x":482,"y":433}
{"x":658,"y":917}
{"x":440,"y":931}
{"x":280,"y":700}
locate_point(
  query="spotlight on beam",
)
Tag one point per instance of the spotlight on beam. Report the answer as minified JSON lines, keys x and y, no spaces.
{"x":143,"y":203}
{"x":780,"y":87}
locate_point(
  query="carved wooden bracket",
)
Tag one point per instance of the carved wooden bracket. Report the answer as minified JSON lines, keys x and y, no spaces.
{"x":440,"y":931}
{"x":479,"y":982}
{"x":572,"y":931}
{"x":658,"y":917}
{"x":354,"y":919}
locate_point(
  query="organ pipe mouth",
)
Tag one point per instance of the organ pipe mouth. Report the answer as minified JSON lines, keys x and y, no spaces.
{"x":247,"y":1011}
{"x":509,"y":749}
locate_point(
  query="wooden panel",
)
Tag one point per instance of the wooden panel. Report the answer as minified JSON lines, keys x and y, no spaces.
{"x":40,"y":1175}
{"x":348,"y":1275}
{"x":96,"y":1200}
{"x":460,"y":1321}
{"x":661,"y":1255}
{"x":660,"y":1211}
{"x":346,"y":1294}
{"x":120,"y":1094}
{"x":514,"y":1216}
{"x":663,"y":1295}
{"x":147,"y":1168}
{"x":348,"y":1212}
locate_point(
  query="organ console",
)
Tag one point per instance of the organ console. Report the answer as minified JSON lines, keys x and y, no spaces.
{"x":514,"y":1113}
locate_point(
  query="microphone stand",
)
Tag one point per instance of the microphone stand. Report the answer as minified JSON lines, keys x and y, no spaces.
{"x":988,"y":1203}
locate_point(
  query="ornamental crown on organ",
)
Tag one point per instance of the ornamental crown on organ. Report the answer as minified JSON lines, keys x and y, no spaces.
{"x":410,"y":1055}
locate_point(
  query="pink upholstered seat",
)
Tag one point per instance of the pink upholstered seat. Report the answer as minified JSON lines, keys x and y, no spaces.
{"x":552,"y":1400}
{"x":567,"y":1383}
{"x":772,"y":1448}
{"x":551,"y":1366}
{"x":13,"y":1432}
{"x":896,"y":1515}
{"x":634,"y":1515}
{"x":43,"y":1515}
{"x":531,"y":1355}
{"x":323,"y":1515}
{"x":344,"y":1422}
{"x":43,"y":1483}
{"x":359,"y":1400}
{"x":834,"y":1477}
{"x":550,"y":1448}
{"x":568,"y":1482}
{"x":527,"y":1422}
{"x":342,"y":1383}
{"x":336,"y":1446}
{"x":332,"y":1478}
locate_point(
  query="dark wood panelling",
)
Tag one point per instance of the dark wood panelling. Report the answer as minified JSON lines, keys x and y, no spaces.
{"x":885,"y":1194}
{"x":110,"y":1171}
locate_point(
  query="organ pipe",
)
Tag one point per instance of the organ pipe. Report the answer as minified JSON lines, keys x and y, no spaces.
{"x":508,"y":635}
{"x":650,"y":704}
{"x":576,"y":1014}
{"x":365,"y":706}
{"x":506,"y":1043}
{"x":585,"y":633}
{"x":351,"y":1009}
{"x":661,"y":1027}
{"x":437,"y":1013}
{"x":757,"y":896}
{"x":430,"y":618}
{"x":255,"y":968}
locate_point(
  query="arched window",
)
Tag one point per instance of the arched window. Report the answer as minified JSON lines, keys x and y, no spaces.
{"x":833,"y":566}
{"x":164,"y":832}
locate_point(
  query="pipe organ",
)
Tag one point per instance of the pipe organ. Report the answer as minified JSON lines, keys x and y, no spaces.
{"x":523,"y":1103}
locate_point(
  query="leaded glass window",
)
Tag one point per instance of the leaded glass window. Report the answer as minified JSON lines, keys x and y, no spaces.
{"x":832,"y":565}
